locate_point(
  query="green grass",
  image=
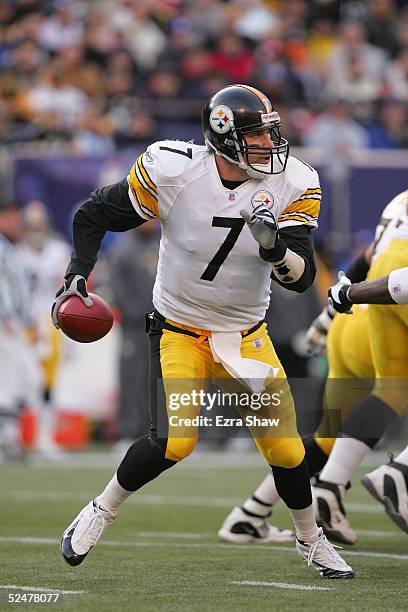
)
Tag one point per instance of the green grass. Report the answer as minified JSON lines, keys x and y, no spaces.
{"x":135,"y":568}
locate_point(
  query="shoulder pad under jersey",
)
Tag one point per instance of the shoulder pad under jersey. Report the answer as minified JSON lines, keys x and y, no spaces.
{"x":172,"y":157}
{"x":300,"y":175}
{"x":397,"y":207}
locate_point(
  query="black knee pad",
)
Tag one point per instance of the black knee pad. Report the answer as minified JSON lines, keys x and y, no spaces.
{"x":293,"y":485}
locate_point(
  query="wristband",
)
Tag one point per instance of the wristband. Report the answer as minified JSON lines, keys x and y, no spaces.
{"x":275,"y":254}
{"x":398,"y":285}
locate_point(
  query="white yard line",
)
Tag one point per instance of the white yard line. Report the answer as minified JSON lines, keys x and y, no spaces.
{"x":373,"y":533}
{"x":33,"y":589}
{"x":238,"y":548}
{"x":174,"y":534}
{"x":202,"y":536}
{"x":282,"y":585}
{"x":164,"y":500}
{"x":198,"y":461}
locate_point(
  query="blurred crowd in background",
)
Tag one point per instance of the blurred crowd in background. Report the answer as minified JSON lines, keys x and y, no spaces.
{"x":91,"y":78}
{"x":96,"y":76}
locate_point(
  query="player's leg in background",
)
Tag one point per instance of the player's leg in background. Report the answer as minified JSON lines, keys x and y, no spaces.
{"x":350,"y":380}
{"x":368,"y":421}
{"x":388,"y":484}
{"x":178,"y":365}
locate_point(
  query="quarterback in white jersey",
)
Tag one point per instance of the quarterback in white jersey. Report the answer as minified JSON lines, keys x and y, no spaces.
{"x":223,"y":284}
{"x":234,"y":213}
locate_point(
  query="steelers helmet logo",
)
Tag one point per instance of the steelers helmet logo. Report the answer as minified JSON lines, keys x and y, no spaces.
{"x":220,"y":119}
{"x":262,"y":197}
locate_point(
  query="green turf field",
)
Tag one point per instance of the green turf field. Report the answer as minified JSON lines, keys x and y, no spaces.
{"x":162,"y":552}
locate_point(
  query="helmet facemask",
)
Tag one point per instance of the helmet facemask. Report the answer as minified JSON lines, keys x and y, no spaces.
{"x":278,"y":152}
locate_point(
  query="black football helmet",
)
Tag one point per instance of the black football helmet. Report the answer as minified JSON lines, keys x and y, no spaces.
{"x":235,"y":111}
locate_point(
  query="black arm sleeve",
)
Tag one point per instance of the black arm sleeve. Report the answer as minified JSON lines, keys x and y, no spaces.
{"x":107,"y":209}
{"x":299,"y":239}
{"x":358,"y":269}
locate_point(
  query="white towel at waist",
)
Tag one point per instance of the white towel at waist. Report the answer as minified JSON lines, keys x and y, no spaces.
{"x":226,"y":349}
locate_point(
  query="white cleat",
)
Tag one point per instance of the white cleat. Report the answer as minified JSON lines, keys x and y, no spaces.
{"x":322,"y":555}
{"x":389,"y":485}
{"x":84,"y":532}
{"x":374,"y":483}
{"x":242,"y":528}
{"x":330,"y":512}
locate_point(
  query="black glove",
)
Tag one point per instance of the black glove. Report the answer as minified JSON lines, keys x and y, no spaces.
{"x":75,"y":284}
{"x":338,"y":295}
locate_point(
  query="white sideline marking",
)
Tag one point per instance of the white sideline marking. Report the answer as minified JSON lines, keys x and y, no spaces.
{"x":28,"y":540}
{"x":40,"y":589}
{"x":168,"y":500}
{"x":240,"y":547}
{"x":282,"y":585}
{"x":174,"y":534}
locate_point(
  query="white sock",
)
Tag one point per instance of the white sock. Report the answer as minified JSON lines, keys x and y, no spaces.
{"x":113,"y":495}
{"x":262,"y":500}
{"x":402,"y":457}
{"x":305,"y":524}
{"x":346,"y":456}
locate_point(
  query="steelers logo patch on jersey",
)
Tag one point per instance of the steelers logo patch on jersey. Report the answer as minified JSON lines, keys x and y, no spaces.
{"x":220,"y":118}
{"x":262,"y":197}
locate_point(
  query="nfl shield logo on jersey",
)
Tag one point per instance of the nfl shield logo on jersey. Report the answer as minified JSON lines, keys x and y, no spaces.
{"x":262,"y":197}
{"x":232,"y":196}
{"x":257,"y":343}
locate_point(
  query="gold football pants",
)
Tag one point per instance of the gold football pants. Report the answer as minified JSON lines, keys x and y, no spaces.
{"x":389,"y":334}
{"x":182,"y":365}
{"x":351,"y":372}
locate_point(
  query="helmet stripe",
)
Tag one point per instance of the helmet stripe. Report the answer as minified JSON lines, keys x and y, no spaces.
{"x":260,"y":95}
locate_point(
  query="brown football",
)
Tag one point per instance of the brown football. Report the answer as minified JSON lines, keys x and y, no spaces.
{"x":85,"y":324}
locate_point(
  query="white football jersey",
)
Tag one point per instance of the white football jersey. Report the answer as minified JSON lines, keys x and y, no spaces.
{"x":210,"y":275}
{"x":393,"y":218}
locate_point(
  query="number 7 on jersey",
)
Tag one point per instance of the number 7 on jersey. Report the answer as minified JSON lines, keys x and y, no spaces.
{"x":236,"y":225}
